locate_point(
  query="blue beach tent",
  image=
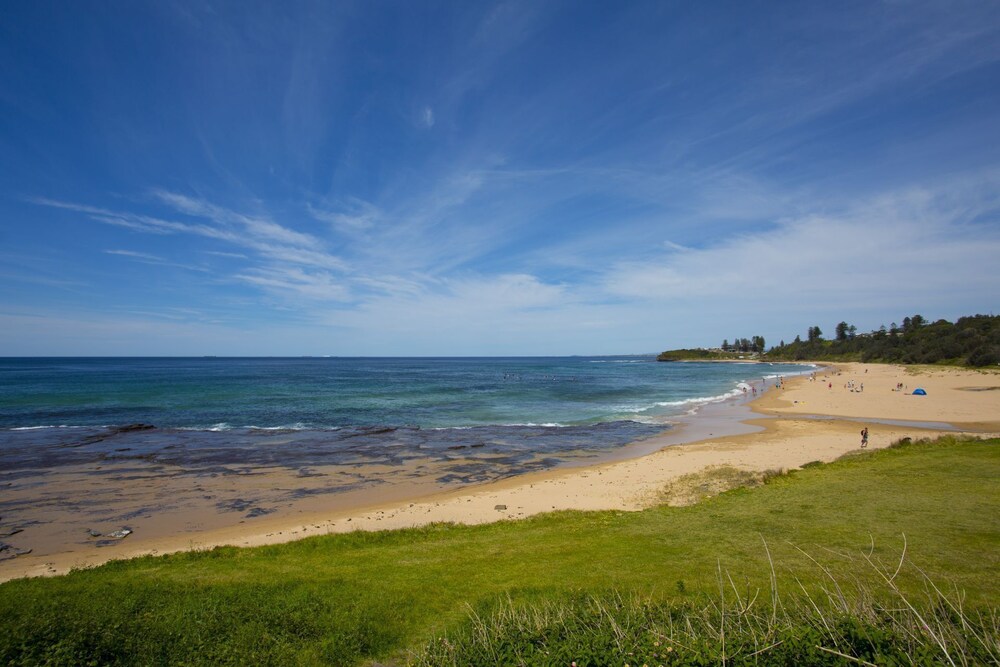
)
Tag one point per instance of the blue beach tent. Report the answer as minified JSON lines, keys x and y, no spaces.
{"x":919,"y":392}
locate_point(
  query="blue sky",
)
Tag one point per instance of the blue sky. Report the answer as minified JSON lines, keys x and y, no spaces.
{"x":476,"y":178}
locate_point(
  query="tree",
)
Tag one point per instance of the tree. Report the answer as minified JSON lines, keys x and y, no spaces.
{"x":973,"y":340}
{"x":985,"y":356}
{"x":725,"y":345}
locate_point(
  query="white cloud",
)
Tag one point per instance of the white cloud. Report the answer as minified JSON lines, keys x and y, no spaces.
{"x":135,"y":255}
{"x":483,"y":298}
{"x":505,"y":293}
{"x":357,"y":215}
{"x":472,"y":314}
{"x":147,"y":258}
{"x":427,"y":117}
{"x":232,"y":255}
{"x":277,"y":244}
{"x":300,"y":256}
{"x":676,"y":247}
{"x":317,"y":286}
{"x":259,"y":229}
{"x":908,"y":247}
{"x":396,"y":285}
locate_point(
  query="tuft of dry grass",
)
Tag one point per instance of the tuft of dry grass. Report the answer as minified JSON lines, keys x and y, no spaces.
{"x":696,"y":487}
{"x":864,"y":620}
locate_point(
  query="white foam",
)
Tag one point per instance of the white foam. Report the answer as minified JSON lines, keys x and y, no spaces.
{"x":531,"y":424}
{"x":631,"y":407}
{"x":700,"y":400}
{"x":618,"y":361}
{"x":225,"y":426}
{"x":536,"y":425}
{"x":694,"y":403}
{"x":297,"y":426}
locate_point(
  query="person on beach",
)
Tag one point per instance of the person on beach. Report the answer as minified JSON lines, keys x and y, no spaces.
{"x":864,"y":437}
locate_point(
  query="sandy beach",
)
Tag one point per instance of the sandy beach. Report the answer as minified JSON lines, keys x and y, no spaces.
{"x":811,"y":418}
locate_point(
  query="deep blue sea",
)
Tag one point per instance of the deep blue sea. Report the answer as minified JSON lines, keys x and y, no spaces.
{"x":306,"y":411}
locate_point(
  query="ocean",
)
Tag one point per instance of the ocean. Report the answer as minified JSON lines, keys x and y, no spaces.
{"x":233,"y":413}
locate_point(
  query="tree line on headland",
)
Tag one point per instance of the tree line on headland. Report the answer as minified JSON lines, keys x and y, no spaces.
{"x":969,"y":341}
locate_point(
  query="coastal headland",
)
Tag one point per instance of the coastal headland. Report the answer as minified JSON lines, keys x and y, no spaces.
{"x":816,"y":417}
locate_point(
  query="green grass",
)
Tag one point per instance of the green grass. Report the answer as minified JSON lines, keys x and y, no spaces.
{"x":733,"y":628}
{"x":345,"y":599}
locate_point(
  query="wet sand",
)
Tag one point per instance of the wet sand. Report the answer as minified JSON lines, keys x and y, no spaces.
{"x":807,"y":420}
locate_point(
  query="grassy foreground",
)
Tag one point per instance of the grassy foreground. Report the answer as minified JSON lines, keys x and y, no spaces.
{"x":826,"y":539}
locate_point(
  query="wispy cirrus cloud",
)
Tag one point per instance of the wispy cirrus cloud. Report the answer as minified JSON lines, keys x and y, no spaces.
{"x":231,"y":255}
{"x":144,"y":223}
{"x":351,"y":216}
{"x":265,"y":236}
{"x":147,"y":258}
{"x":427,"y":117}
{"x":294,"y":261}
{"x":312,"y":285}
{"x":258,"y":229}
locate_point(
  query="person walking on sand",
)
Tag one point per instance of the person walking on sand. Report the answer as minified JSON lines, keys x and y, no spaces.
{"x":864,"y":437}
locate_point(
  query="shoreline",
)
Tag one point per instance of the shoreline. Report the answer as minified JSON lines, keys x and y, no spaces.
{"x":807,"y":420}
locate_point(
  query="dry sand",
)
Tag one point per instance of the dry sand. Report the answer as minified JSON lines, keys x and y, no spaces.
{"x":966,"y":399}
{"x":789,"y":435}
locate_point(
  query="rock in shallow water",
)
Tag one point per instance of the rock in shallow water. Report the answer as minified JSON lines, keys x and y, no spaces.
{"x":8,"y":551}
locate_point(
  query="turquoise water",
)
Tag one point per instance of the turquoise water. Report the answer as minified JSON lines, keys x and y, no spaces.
{"x":325,"y":393}
{"x":479,"y":418}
